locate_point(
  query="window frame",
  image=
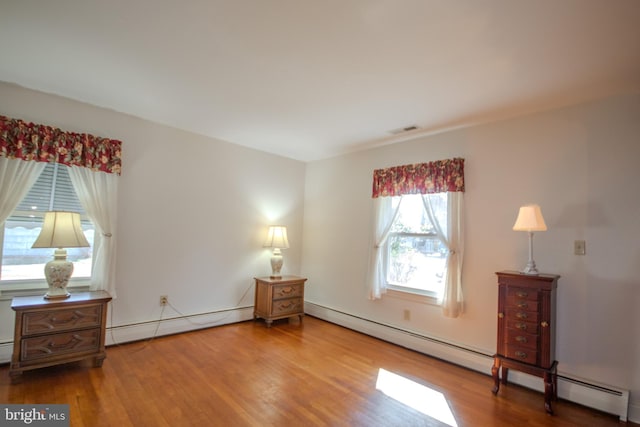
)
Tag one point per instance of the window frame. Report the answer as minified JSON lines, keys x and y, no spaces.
{"x":35,"y":286}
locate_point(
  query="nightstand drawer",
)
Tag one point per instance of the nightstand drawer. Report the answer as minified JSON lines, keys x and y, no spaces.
{"x":292,"y":305}
{"x":288,"y":291}
{"x":37,"y":322}
{"x":47,"y":346}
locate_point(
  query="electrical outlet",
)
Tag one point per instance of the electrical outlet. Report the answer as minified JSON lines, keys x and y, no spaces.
{"x":164,"y":299}
{"x":407,"y":315}
{"x":579,"y":247}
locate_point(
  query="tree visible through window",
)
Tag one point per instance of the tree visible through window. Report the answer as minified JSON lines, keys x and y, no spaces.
{"x":415,"y":256}
{"x":52,"y":191}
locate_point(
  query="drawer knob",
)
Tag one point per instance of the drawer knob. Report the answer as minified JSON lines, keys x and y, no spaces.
{"x":286,"y":290}
{"x":521,"y":315}
{"x":544,"y":324}
{"x":521,"y":326}
{"x":521,"y":339}
{"x":500,"y":315}
{"x":522,"y":294}
{"x":521,"y":354}
{"x":522,"y":304}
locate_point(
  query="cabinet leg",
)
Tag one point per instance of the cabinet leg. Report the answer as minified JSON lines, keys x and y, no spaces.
{"x":15,"y":377}
{"x":495,"y":373}
{"x":505,"y":375}
{"x":548,"y":391}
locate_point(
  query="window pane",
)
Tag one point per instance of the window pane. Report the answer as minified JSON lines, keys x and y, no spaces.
{"x":52,"y":191}
{"x":412,"y":216}
{"x":20,"y":262}
{"x":416,"y":258}
{"x":417,"y":262}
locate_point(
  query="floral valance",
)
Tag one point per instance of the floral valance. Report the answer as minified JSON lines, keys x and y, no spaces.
{"x":29,"y":141}
{"x":421,"y":178}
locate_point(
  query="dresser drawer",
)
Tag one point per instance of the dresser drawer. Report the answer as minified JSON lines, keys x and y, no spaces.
{"x":522,"y":354}
{"x":516,"y":324}
{"x":520,"y":338}
{"x":521,"y":315}
{"x":522,"y":304}
{"x":35,"y":348}
{"x":37,"y":322}
{"x":288,"y":291}
{"x":514,"y":293}
{"x":285,"y":306}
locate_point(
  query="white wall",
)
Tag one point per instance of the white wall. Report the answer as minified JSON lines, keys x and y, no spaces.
{"x":192,"y":215}
{"x":581,"y":164}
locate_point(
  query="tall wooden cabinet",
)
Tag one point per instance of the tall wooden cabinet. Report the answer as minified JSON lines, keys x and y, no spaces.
{"x":526,"y":330}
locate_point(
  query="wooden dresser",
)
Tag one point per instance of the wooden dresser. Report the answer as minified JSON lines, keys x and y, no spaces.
{"x":279,"y":298}
{"x":526,"y":330}
{"x":54,"y":331}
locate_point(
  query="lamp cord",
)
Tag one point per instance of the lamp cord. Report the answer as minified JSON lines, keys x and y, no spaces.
{"x":182,"y":316}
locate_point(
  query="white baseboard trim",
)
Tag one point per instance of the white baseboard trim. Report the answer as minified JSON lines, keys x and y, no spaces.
{"x":601,"y":397}
{"x":145,"y":330}
{"x":6,"y":350}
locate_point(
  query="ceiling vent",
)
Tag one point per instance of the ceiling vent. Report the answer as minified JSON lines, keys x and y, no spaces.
{"x":403,"y":130}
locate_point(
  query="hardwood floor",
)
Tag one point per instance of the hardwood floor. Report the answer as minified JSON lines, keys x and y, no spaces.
{"x":312,"y":374}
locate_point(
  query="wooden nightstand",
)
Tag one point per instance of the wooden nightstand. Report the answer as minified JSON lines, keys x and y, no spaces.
{"x":54,"y":331}
{"x":279,"y":298}
{"x":526,"y":330}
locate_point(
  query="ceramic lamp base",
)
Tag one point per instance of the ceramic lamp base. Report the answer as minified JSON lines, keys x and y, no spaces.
{"x":58,"y":272}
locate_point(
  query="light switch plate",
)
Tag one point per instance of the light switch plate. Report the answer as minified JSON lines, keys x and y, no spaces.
{"x":579,"y":247}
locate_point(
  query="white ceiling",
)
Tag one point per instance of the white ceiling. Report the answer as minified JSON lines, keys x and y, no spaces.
{"x":310,"y":79}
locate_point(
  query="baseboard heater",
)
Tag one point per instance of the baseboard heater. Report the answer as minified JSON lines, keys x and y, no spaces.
{"x":597,"y":396}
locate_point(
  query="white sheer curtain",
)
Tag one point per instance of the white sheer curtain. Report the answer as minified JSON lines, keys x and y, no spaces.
{"x":16,"y":179}
{"x":451,"y":235}
{"x":98,"y":194}
{"x":384,"y":215}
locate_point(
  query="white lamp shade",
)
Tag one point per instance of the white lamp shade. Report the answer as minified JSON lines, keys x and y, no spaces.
{"x":530,"y":219}
{"x":277,"y":237}
{"x":61,"y":230}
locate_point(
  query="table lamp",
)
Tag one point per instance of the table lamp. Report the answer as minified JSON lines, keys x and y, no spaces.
{"x":530,"y":219}
{"x":276,"y":239}
{"x":60,"y":230}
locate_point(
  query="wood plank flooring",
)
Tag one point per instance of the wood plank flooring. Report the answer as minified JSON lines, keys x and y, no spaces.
{"x":312,"y":373}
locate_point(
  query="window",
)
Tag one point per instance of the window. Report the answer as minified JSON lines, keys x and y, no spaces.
{"x":413,"y":249}
{"x":52,"y":191}
{"x":415,"y":258}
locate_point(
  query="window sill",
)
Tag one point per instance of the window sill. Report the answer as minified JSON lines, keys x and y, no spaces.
{"x":421,"y":297}
{"x":19,"y":288}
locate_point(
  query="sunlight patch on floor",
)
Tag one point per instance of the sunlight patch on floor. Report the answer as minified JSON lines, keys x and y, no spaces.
{"x":419,"y":397}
